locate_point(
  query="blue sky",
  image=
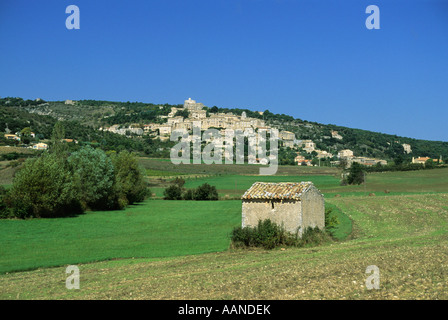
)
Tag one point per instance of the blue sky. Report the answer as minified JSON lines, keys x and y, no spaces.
{"x":314,"y":60}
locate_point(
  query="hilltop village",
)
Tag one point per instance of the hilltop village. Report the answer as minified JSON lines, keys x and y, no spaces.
{"x":192,"y":111}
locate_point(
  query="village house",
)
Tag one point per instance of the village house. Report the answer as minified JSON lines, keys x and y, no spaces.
{"x":323,"y":154}
{"x":286,"y":135}
{"x":308,"y":145}
{"x":345,"y":154}
{"x":70,"y":141}
{"x":11,"y":137}
{"x":293,"y":205}
{"x":421,"y":160}
{"x":40,"y":146}
{"x":301,"y":161}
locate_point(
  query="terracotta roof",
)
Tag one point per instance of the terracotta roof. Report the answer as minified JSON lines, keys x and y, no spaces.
{"x":280,"y":191}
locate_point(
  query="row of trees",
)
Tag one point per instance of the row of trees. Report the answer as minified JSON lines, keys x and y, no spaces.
{"x":59,"y":183}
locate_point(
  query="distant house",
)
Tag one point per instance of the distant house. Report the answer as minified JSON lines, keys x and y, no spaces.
{"x":287,"y":135}
{"x":40,"y":146}
{"x":308,"y":145}
{"x":70,"y":140}
{"x":301,"y":161}
{"x":12,"y":137}
{"x":421,"y":160}
{"x":345,"y":154}
{"x":294,"y":205}
{"x":323,"y":154}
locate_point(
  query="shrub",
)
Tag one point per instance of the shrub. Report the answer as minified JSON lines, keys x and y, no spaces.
{"x":93,"y":174}
{"x":44,"y":187}
{"x":206,"y":192}
{"x":178,"y":181}
{"x":269,"y":235}
{"x":314,"y":237}
{"x":331,"y":221}
{"x":203,"y":192}
{"x":188,"y":194}
{"x":266,"y":234}
{"x":173,"y":192}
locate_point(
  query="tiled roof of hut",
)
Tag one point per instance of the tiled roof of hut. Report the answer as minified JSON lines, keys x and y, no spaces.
{"x":279,"y":191}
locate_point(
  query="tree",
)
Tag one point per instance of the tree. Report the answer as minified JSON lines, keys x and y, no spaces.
{"x":44,"y":187}
{"x":356,"y":174}
{"x":93,"y":174}
{"x":57,"y":145}
{"x":430,"y":164}
{"x":130,"y":184}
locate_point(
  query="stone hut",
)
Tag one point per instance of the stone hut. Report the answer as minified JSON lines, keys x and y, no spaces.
{"x":294,"y":205}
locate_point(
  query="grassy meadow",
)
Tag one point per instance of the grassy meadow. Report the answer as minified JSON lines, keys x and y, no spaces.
{"x":180,"y":249}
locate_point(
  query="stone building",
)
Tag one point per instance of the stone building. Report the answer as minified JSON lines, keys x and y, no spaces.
{"x":286,"y":135}
{"x":345,"y":154}
{"x":294,"y":205}
{"x":308,"y":145}
{"x":192,"y":105}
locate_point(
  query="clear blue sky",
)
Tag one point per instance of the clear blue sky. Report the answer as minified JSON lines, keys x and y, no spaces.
{"x":314,"y":60}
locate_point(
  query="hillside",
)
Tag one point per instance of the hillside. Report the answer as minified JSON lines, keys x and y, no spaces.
{"x":85,"y":117}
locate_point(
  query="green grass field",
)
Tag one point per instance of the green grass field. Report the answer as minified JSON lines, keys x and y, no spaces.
{"x":180,"y":249}
{"x":155,"y":228}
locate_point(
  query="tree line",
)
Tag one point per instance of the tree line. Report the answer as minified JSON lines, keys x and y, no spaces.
{"x":61,"y":183}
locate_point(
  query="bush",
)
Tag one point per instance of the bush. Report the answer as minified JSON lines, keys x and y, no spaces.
{"x":269,"y":235}
{"x":206,"y":192}
{"x":93,"y":174}
{"x":331,"y":221}
{"x":203,"y":192}
{"x":266,"y":234}
{"x":314,"y":237}
{"x":188,"y":195}
{"x":173,"y":192}
{"x":178,"y":181}
{"x":44,"y":187}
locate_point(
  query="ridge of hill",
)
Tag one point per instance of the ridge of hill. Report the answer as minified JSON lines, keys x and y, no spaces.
{"x":85,"y":117}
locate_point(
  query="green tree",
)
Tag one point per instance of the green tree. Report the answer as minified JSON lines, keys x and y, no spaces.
{"x":57,"y":144}
{"x":356,"y":174}
{"x":93,"y":173}
{"x":44,"y":187}
{"x":129,"y":176}
{"x":430,"y":164}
